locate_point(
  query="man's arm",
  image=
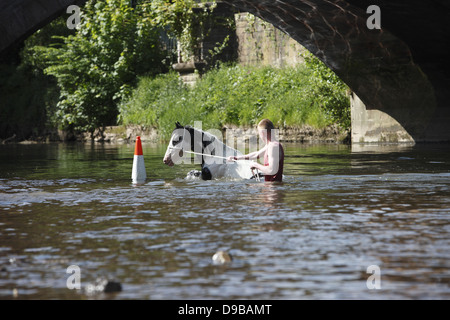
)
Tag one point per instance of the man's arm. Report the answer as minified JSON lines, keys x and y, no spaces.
{"x":253,"y":155}
{"x":273,"y":158}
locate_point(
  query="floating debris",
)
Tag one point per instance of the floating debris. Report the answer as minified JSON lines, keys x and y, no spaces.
{"x":222,"y":257}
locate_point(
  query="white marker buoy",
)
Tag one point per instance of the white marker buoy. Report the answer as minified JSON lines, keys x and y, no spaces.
{"x":138,"y":175}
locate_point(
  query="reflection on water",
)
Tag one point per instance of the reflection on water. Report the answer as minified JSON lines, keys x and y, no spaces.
{"x":339,"y":210}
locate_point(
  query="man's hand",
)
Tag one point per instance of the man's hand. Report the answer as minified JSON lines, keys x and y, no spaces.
{"x":254,"y":165}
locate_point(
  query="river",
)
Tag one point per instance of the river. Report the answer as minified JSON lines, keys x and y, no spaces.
{"x":339,"y":211}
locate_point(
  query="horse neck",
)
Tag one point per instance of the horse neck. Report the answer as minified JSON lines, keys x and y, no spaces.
{"x":200,"y":143}
{"x":197,"y":144}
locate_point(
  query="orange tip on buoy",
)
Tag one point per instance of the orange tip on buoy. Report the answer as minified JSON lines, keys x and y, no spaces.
{"x":138,"y":174}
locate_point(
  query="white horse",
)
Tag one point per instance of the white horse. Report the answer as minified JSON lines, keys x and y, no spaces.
{"x":208,"y":151}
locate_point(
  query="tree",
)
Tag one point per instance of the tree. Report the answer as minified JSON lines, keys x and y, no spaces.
{"x":97,"y":67}
{"x":183,"y":19}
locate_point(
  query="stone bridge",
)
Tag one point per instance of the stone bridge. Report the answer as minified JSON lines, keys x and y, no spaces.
{"x":399,"y":75}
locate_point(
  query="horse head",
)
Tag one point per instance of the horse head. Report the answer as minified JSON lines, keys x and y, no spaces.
{"x":185,"y":139}
{"x":180,"y":140}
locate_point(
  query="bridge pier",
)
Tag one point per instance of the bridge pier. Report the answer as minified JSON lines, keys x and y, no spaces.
{"x":375,"y":126}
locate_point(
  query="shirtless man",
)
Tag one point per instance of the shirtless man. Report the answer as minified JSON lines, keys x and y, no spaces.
{"x":273,"y":153}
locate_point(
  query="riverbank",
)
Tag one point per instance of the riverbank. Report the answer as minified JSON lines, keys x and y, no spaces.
{"x":299,"y":97}
{"x":303,"y":134}
{"x":126,"y":134}
{"x":303,"y":101}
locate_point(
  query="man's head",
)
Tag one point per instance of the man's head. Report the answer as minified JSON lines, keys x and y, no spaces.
{"x":265,"y":128}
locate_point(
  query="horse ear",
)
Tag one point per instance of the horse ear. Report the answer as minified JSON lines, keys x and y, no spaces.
{"x":178,"y":125}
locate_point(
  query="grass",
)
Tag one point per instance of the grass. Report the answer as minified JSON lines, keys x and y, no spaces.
{"x":238,"y":95}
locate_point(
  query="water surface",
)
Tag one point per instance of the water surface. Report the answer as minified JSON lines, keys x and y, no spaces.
{"x":338,"y":211}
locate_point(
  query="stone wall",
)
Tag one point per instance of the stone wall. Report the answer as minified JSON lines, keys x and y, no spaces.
{"x":240,"y":135}
{"x":241,"y":37}
{"x":249,"y":40}
{"x":375,"y":126}
{"x":260,"y":43}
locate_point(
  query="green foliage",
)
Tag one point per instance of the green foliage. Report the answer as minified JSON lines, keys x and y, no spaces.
{"x":184,"y":19}
{"x":331,"y":91}
{"x":152,"y":100}
{"x":231,"y":95}
{"x":97,"y":67}
{"x":28,"y":97}
{"x":24,"y":99}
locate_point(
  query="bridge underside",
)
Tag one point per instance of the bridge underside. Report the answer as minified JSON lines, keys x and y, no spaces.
{"x":21,"y":18}
{"x":399,"y":75}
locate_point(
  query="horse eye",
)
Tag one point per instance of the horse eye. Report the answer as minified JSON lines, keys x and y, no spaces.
{"x":175,"y":142}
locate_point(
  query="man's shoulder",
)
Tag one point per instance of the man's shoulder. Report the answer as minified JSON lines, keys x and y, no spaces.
{"x":275,"y":144}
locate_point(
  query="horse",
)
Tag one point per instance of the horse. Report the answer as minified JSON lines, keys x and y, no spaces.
{"x":209,"y":151}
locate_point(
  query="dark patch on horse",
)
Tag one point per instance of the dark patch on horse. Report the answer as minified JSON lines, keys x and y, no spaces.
{"x":175,"y":142}
{"x":190,"y":130}
{"x":207,"y":142}
{"x":206,"y":174}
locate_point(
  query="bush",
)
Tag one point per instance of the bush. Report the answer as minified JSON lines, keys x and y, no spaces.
{"x":331,"y":91}
{"x":234,"y":95}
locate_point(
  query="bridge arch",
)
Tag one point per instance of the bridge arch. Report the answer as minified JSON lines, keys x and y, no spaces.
{"x":21,"y":18}
{"x":399,"y":74}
